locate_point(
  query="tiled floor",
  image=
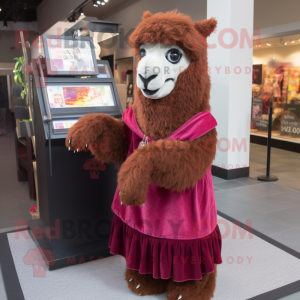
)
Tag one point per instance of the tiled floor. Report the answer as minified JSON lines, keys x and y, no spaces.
{"x":14,"y":196}
{"x":284,"y":164}
{"x":273,"y":208}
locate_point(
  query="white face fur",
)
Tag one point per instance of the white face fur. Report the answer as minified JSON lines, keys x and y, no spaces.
{"x":158,"y":69}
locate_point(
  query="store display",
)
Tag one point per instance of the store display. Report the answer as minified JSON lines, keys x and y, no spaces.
{"x":256,"y":108}
{"x":280,"y":87}
{"x":257,"y":74}
{"x":290,"y":125}
{"x":129,"y":102}
{"x":148,"y":192}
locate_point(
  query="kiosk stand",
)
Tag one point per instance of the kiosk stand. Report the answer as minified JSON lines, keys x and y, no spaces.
{"x":75,"y":190}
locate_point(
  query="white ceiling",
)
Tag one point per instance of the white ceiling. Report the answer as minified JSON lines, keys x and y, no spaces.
{"x":102,"y":10}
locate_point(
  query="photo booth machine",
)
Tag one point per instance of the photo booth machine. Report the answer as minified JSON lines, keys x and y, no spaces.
{"x":75,"y":190}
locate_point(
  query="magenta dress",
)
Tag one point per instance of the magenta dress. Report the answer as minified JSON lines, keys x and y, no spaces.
{"x":175,"y":235}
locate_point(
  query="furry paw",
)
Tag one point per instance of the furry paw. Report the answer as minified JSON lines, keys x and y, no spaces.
{"x":193,"y":290}
{"x":133,"y":183}
{"x":144,"y":284}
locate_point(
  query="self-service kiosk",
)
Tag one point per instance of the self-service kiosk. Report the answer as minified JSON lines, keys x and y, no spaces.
{"x":75,"y":190}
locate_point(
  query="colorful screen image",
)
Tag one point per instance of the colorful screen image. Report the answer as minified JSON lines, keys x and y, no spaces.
{"x":63,"y":124}
{"x":79,"y":96}
{"x":74,"y":57}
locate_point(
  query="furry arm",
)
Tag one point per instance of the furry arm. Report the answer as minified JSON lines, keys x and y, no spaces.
{"x":104,"y":135}
{"x":175,"y":165}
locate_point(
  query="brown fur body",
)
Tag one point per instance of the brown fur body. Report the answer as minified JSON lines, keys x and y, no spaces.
{"x":175,"y":165}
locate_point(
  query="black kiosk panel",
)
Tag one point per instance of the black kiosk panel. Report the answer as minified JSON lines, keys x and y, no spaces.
{"x":75,"y":191}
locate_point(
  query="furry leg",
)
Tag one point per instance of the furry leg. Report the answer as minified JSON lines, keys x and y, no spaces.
{"x":193,"y":290}
{"x":145,"y":284}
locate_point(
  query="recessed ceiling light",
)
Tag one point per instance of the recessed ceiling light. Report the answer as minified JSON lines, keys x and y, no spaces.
{"x":259,"y":46}
{"x":269,"y":44}
{"x":274,"y":57}
{"x":292,"y":42}
{"x":285,"y":43}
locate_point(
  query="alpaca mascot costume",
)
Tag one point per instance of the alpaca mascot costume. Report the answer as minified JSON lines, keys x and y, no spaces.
{"x":165,"y":222}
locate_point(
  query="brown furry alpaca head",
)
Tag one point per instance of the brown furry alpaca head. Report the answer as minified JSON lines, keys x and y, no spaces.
{"x":158,"y":118}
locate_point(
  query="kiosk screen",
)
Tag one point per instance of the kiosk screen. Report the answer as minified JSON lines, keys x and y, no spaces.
{"x":63,"y":124}
{"x":71,"y":57}
{"x":68,"y":96}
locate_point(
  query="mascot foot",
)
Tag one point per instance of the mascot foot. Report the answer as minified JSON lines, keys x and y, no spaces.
{"x":193,"y":290}
{"x":145,"y":284}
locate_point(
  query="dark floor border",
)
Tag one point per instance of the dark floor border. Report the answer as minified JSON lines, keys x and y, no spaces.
{"x":283,"y":291}
{"x":14,"y":291}
{"x":9,"y":273}
{"x":280,"y":144}
{"x":230,"y":174}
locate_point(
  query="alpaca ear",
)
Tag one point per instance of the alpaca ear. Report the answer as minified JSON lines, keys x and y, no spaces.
{"x":147,"y":14}
{"x":206,"y":27}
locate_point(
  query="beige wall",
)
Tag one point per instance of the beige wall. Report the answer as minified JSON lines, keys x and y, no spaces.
{"x":269,"y":13}
{"x":131,"y":15}
{"x":50,"y":12}
{"x":8,"y":40}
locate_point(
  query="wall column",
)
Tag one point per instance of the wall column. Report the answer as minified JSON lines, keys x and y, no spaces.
{"x":230,"y":65}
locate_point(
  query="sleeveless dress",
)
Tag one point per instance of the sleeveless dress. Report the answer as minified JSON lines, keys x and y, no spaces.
{"x":175,"y":235}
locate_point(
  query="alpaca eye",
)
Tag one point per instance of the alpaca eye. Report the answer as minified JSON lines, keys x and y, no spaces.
{"x":173,"y":56}
{"x":142,"y":53}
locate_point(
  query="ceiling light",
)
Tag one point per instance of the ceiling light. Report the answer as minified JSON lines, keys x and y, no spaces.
{"x":274,"y":57}
{"x":0,"y":9}
{"x":282,"y":42}
{"x":95,"y":3}
{"x":5,"y":24}
{"x":285,"y":43}
{"x":292,"y":42}
{"x":259,"y":46}
{"x":269,"y":44}
{"x":81,"y":13}
{"x":105,"y":0}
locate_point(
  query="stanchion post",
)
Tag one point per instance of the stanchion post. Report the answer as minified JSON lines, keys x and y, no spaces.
{"x":269,"y":177}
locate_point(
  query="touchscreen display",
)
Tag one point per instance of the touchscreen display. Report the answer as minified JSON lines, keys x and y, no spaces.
{"x":70,"y":56}
{"x":79,"y":96}
{"x":63,"y":124}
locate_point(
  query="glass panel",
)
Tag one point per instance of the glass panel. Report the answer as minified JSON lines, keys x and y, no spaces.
{"x":276,"y":80}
